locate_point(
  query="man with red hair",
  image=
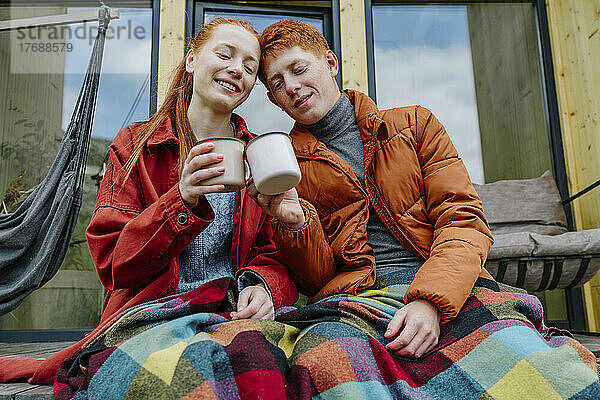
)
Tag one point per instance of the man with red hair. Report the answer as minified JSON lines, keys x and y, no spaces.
{"x":380,"y":191}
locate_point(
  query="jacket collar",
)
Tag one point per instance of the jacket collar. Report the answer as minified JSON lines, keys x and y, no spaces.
{"x":165,"y":133}
{"x":368,"y":118}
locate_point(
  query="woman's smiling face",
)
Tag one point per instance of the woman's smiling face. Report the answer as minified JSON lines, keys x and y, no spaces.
{"x":224,"y":68}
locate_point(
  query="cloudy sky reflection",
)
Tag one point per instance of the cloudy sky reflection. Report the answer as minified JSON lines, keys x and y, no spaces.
{"x":126,"y":64}
{"x":423,"y":56}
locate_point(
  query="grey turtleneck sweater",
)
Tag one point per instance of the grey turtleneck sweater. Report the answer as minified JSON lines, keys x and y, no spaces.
{"x":338,"y":130}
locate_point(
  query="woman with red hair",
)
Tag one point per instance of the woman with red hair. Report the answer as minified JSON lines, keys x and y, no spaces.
{"x":157,"y":232}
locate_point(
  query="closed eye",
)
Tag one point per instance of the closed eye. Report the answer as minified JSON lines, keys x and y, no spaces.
{"x":277,"y":85}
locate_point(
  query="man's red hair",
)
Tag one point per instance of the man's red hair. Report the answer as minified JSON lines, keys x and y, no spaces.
{"x":288,"y":33}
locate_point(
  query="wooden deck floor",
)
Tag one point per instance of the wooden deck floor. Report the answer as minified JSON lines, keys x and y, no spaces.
{"x":25,"y":391}
{"x":28,"y":350}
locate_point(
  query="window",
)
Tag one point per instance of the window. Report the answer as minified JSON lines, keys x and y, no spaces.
{"x":39,"y":85}
{"x":487,"y":92}
{"x":484,"y":69}
{"x":124,"y":91}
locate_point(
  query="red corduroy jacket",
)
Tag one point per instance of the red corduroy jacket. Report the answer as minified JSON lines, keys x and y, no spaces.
{"x":137,"y":233}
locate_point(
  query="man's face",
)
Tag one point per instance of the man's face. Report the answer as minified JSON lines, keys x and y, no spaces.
{"x":302,"y":84}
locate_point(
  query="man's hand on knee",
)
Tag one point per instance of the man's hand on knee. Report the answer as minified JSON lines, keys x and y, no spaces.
{"x":419,"y":325}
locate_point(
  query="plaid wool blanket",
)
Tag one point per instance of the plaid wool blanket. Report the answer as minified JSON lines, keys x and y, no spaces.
{"x":186,"y":347}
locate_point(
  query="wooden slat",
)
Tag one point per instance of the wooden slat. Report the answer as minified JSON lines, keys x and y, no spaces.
{"x":574,"y":27}
{"x":40,"y":392}
{"x":7,"y":390}
{"x":23,"y":351}
{"x":171,"y":48}
{"x":54,"y":20}
{"x":353,"y":42}
{"x":31,"y":350}
{"x":28,"y":350}
{"x":589,"y":341}
{"x":26,"y":391}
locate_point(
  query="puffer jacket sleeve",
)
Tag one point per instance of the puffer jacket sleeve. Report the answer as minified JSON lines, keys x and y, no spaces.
{"x":461,"y":237}
{"x":306,"y":252}
{"x":130,"y":242}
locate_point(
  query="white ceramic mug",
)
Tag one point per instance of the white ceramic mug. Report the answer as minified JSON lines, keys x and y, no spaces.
{"x":273,"y":163}
{"x":233,"y":162}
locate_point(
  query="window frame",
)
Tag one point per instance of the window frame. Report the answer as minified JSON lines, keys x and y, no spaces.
{"x":154,"y":55}
{"x":76,"y":334}
{"x":331,"y":23}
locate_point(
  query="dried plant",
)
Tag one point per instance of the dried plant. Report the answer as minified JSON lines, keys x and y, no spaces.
{"x":15,"y":194}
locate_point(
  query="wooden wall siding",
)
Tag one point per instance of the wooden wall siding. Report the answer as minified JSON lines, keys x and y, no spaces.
{"x":514,"y":137}
{"x":171,"y":43}
{"x":72,"y":299}
{"x":353,"y":43}
{"x":575,"y":38}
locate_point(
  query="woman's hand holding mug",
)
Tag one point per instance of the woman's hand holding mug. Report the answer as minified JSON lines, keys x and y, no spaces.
{"x":197,"y":168}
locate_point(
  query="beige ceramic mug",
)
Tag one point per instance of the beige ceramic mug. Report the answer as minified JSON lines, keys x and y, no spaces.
{"x":273,"y":163}
{"x":233,"y":162}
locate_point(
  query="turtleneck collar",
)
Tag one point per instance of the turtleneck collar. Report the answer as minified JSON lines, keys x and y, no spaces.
{"x":335,"y":122}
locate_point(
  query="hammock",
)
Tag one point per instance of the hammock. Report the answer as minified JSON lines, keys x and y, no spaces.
{"x":35,"y":238}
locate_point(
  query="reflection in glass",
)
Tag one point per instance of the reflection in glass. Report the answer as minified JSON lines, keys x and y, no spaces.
{"x":38,"y":91}
{"x":124,"y":91}
{"x":477,"y":68}
{"x":423,"y":56}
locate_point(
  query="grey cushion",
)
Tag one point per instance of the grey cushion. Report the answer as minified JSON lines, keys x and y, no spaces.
{"x":570,"y":243}
{"x":525,"y":205}
{"x":528,"y":244}
{"x":519,"y":244}
{"x":541,"y":273}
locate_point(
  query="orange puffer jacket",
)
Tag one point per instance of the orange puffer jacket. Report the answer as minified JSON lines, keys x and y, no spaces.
{"x":420,"y":190}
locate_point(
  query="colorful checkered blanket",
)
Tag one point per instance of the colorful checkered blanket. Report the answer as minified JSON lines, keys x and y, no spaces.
{"x":186,"y":347}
